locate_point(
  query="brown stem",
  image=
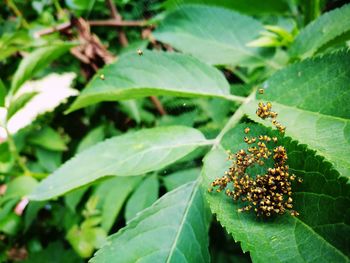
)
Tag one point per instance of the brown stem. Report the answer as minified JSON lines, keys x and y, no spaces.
{"x":158,"y":105}
{"x":47,"y":31}
{"x":115,"y":14}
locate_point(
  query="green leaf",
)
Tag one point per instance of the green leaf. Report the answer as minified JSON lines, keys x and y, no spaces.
{"x":132,"y":109}
{"x":179,"y":178}
{"x":144,"y":196}
{"x":320,"y":234}
{"x":19,"y":103}
{"x":2,"y":93}
{"x":18,"y":188}
{"x":175,"y":228}
{"x":311,"y":99}
{"x":49,"y":160}
{"x":198,"y":30}
{"x":154,"y":73}
{"x":73,"y":198}
{"x":36,"y":61}
{"x":94,"y":136}
{"x":49,"y":139}
{"x":112,"y":195}
{"x":251,"y":7}
{"x":318,"y":33}
{"x":127,"y":155}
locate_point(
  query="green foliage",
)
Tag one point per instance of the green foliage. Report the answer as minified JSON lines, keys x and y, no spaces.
{"x":198,"y":30}
{"x":126,"y":155}
{"x":320,"y":32}
{"x":179,"y":220}
{"x":134,"y":76}
{"x":120,"y":173}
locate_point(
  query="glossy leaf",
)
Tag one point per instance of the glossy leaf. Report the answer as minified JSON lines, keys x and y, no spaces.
{"x":153,"y":73}
{"x":36,"y":61}
{"x":311,"y":99}
{"x":144,"y":196}
{"x":321,"y":31}
{"x":175,"y":227}
{"x":321,"y":232}
{"x":214,"y":35}
{"x":127,"y":155}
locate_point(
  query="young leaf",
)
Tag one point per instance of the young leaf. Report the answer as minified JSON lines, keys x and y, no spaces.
{"x":35,"y":61}
{"x":311,"y":99}
{"x":321,"y":201}
{"x":144,"y":196}
{"x":174,"y":229}
{"x":127,"y":155}
{"x":153,"y":73}
{"x":215,"y":35}
{"x":318,"y":33}
{"x":19,"y":103}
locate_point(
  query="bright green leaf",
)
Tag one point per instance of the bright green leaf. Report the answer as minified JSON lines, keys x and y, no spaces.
{"x":318,"y":33}
{"x":175,"y":229}
{"x":36,"y":61}
{"x":2,"y":93}
{"x":320,"y":233}
{"x":127,"y":155}
{"x":214,"y":35}
{"x":154,"y":73}
{"x":311,"y":99}
{"x":144,"y":196}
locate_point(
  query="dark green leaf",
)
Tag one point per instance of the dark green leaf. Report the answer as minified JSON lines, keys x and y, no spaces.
{"x":179,"y":178}
{"x":321,"y":232}
{"x":94,"y":136}
{"x":127,"y":155}
{"x":175,"y":228}
{"x":2,"y":93}
{"x":49,"y":139}
{"x":153,"y":73}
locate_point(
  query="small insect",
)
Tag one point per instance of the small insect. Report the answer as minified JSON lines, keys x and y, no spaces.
{"x":102,"y":76}
{"x":246,"y":130}
{"x":139,"y":52}
{"x":261,"y":91}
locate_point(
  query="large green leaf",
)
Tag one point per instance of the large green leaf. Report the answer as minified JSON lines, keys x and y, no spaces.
{"x":174,"y":229}
{"x":215,"y":35}
{"x":321,"y":233}
{"x":311,"y":99}
{"x":318,"y":33}
{"x":127,"y":155}
{"x":36,"y":61}
{"x":251,"y":7}
{"x":153,"y":73}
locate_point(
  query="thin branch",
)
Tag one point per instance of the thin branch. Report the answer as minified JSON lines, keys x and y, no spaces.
{"x":158,"y":105}
{"x":12,"y":6}
{"x":113,"y":22}
{"x":123,"y":40}
{"x":47,"y":31}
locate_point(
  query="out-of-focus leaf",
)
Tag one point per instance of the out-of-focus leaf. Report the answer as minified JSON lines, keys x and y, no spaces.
{"x":131,"y":107}
{"x":144,"y":196}
{"x":35,"y":61}
{"x":111,"y":197}
{"x":48,"y":138}
{"x":73,"y":198}
{"x":2,"y":93}
{"x":251,"y":7}
{"x":19,"y":103}
{"x":175,"y":228}
{"x":19,"y":187}
{"x":214,"y":35}
{"x":49,"y":160}
{"x":153,"y":73}
{"x":321,"y":31}
{"x":94,"y":136}
{"x":127,"y":155}
{"x":179,"y":178}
